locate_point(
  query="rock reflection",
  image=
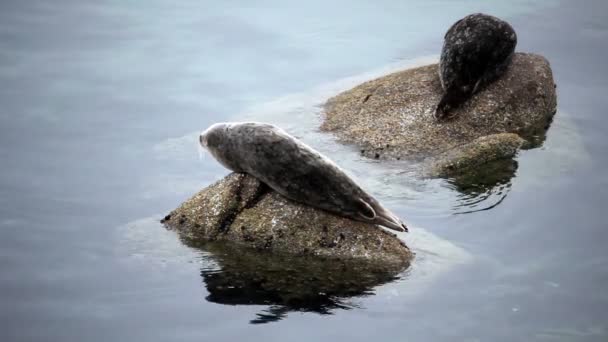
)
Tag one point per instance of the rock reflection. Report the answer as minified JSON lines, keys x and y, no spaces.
{"x":286,"y":283}
{"x":484,"y":188}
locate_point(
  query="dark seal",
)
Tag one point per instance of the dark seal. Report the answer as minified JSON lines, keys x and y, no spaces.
{"x":476,"y":51}
{"x":294,"y":170}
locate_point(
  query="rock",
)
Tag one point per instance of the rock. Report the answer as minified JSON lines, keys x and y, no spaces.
{"x":392,"y":117}
{"x":242,"y":210}
{"x":472,"y":155}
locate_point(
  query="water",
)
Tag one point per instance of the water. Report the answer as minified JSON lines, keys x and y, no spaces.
{"x":101,"y":103}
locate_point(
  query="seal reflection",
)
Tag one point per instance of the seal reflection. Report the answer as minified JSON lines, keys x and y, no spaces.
{"x":287,"y":283}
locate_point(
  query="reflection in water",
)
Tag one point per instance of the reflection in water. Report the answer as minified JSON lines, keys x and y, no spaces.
{"x":538,"y":135}
{"x":235,"y":275}
{"x":484,"y":188}
{"x":242,"y":276}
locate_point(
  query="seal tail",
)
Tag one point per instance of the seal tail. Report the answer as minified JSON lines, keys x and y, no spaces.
{"x":377,"y":214}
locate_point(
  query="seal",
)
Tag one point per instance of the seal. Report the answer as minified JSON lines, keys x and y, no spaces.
{"x":294,"y":170}
{"x":477,"y":50}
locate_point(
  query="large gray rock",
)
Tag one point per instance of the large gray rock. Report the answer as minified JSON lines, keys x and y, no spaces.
{"x":392,"y":117}
{"x":244,"y":211}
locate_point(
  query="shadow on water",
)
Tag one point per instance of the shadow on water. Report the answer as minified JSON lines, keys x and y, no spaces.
{"x":284,"y":283}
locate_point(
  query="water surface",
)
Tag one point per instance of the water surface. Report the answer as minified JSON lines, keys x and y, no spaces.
{"x":100,"y":102}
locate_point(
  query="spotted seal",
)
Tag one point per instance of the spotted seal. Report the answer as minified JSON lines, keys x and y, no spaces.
{"x":476,"y":51}
{"x":294,"y":170}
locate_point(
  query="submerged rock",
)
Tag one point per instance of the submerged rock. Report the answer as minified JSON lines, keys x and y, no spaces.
{"x":242,"y":210}
{"x":392,"y":117}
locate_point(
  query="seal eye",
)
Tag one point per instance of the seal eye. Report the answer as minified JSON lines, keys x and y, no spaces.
{"x":366,"y":211}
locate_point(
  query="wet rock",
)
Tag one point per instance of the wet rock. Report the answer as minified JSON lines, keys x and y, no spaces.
{"x":392,"y":117}
{"x":471,"y":156}
{"x":244,"y":211}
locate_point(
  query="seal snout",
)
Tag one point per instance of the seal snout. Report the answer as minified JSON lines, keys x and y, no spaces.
{"x":210,"y":135}
{"x":202,"y":140}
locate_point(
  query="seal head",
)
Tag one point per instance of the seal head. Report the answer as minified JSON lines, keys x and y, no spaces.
{"x":294,"y":170}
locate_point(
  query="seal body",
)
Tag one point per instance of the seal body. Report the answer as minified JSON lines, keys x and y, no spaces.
{"x":476,"y":51}
{"x":294,"y":170}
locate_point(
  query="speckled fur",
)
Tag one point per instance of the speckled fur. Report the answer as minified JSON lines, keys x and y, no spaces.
{"x":476,"y":51}
{"x":294,"y":170}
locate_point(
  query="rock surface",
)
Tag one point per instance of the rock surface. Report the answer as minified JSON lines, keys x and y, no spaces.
{"x":242,"y":210}
{"x":480,"y":151}
{"x":392,"y":117}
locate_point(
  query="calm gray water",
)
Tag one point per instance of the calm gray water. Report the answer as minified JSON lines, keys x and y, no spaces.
{"x":100,"y":103}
